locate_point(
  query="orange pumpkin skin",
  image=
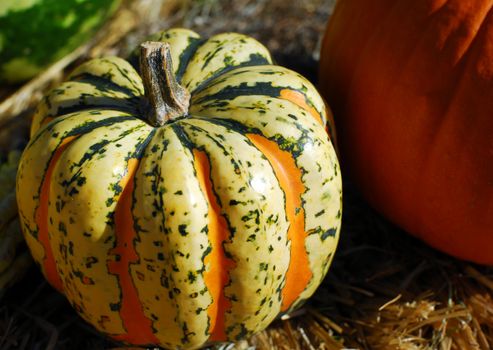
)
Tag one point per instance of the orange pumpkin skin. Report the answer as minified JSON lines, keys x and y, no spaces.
{"x":411,"y":85}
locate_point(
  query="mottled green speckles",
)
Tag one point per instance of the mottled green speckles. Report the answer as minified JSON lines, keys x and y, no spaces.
{"x":329,"y":233}
{"x":263,"y":266}
{"x":241,"y":332}
{"x":62,"y":228}
{"x":253,"y":215}
{"x":155,"y":148}
{"x":90,"y":261}
{"x":228,"y":61}
{"x":192,"y":276}
{"x":326,"y":195}
{"x":183,"y":230}
{"x":186,"y":334}
{"x":115,"y":306}
{"x":210,"y":55}
{"x":252,"y":238}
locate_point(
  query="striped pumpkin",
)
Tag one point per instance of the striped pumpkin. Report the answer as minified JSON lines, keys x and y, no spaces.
{"x":189,"y":206}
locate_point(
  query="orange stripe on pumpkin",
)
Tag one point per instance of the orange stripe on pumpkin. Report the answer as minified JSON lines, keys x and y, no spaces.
{"x":289,"y":177}
{"x":299,"y":99}
{"x":137,"y":325}
{"x":216,"y":277}
{"x":49,"y":264}
{"x":46,"y":120}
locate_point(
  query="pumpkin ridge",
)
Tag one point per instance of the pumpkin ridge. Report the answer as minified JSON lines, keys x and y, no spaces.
{"x":253,"y":177}
{"x":137,"y":85}
{"x":263,"y":89}
{"x":255,"y":60}
{"x":138,"y":326}
{"x":187,"y":55}
{"x":289,"y":176}
{"x":170,"y":274}
{"x":223,"y":52}
{"x":114,"y":69}
{"x":230,"y":92}
{"x":219,"y":304}
{"x":41,"y":217}
{"x":216,"y":278}
{"x":128,"y":106}
{"x":101,"y":83}
{"x":79,"y":130}
{"x":299,"y":99}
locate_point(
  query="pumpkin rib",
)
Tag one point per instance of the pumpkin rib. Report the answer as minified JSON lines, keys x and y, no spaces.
{"x":97,"y":158}
{"x":260,"y":253}
{"x":109,"y":83}
{"x":41,"y":217}
{"x":217,"y":276}
{"x":186,"y":57}
{"x":65,"y":100}
{"x":113,"y":69}
{"x":49,"y":138}
{"x":138,"y":327}
{"x":170,"y":211}
{"x":218,"y":260}
{"x":106,"y":122}
{"x":222,"y":52}
{"x":247,"y":120}
{"x":290,"y":180}
{"x":45,"y":185}
{"x":253,"y":62}
{"x":473,"y":30}
{"x":102,"y":83}
{"x":264,"y":87}
{"x":269,"y":116}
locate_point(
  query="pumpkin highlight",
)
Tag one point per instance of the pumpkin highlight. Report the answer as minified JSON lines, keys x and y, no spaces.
{"x":191,"y":207}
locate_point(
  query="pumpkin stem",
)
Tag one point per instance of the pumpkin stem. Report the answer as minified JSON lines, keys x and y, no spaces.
{"x":166,"y":99}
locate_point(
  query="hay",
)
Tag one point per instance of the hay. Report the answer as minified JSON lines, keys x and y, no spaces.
{"x":385,"y":290}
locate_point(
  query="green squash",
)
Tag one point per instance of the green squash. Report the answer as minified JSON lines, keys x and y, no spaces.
{"x":36,"y":33}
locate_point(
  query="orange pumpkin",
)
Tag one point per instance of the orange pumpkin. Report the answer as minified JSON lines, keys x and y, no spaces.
{"x":411,"y":85}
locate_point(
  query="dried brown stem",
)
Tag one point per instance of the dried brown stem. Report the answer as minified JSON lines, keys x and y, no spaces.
{"x":166,"y":99}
